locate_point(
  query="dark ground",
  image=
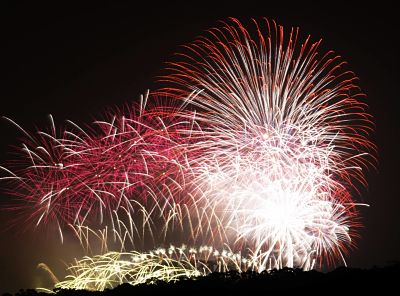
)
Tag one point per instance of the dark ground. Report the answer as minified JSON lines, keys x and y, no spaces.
{"x":285,"y":281}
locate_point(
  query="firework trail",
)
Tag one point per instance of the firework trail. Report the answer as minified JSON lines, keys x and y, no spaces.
{"x":285,"y":142}
{"x":44,"y":267}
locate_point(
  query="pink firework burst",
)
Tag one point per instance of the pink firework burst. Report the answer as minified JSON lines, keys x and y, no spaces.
{"x":84,"y":173}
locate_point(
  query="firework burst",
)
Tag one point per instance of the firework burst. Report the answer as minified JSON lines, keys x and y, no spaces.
{"x":162,"y":264}
{"x":87,"y":174}
{"x":285,"y":142}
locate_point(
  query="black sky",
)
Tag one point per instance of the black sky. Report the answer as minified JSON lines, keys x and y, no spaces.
{"x":74,"y":61}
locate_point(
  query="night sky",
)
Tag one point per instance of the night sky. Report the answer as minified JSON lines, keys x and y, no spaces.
{"x":73,"y":62}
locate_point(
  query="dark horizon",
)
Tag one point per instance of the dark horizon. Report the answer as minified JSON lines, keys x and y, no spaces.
{"x":284,"y":281}
{"x":74,"y":62}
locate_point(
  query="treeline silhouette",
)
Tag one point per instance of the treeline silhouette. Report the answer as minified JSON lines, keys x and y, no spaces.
{"x":284,"y":281}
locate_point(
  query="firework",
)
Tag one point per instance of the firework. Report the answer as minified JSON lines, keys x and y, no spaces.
{"x":284,"y":142}
{"x":162,"y":264}
{"x":79,"y":173}
{"x":261,"y":146}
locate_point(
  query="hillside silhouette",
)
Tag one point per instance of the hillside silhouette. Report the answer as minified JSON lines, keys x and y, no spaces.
{"x":284,"y":281}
